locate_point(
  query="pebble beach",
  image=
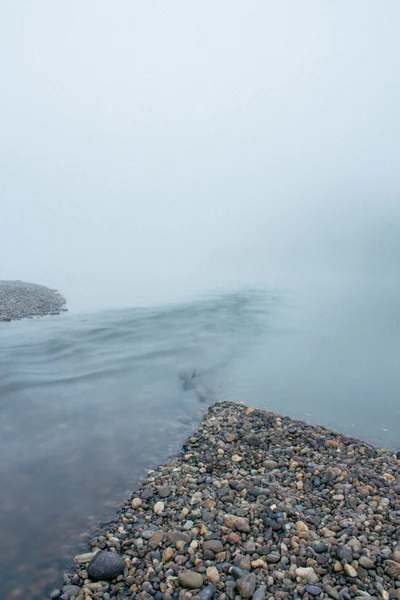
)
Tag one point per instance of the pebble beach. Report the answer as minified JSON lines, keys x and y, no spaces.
{"x":255,"y":506}
{"x":22,"y":300}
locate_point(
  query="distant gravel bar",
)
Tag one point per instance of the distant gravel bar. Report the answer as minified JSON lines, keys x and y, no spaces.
{"x":255,"y":507}
{"x":20,"y":300}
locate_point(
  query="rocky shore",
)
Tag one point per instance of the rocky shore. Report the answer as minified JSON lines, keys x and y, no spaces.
{"x":256,"y":506}
{"x":20,"y":300}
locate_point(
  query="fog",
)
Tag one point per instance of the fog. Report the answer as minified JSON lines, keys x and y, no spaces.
{"x":155,"y":149}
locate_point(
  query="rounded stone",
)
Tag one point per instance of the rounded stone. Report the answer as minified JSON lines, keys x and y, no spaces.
{"x":190,"y":580}
{"x":366,"y":562}
{"x":106,"y":565}
{"x":314,"y":590}
{"x":213,"y":545}
{"x":247,"y":585}
{"x":159,"y":508}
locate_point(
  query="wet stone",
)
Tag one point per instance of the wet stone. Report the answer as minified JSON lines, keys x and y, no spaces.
{"x":71,"y":590}
{"x":106,"y":565}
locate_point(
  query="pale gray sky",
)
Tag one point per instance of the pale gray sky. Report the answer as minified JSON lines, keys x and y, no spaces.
{"x":152,"y":147}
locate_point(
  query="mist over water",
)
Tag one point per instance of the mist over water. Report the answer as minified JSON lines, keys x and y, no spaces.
{"x":212,"y":187}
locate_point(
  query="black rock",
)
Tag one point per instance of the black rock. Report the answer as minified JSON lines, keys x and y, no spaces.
{"x":398,"y":455}
{"x":106,"y":565}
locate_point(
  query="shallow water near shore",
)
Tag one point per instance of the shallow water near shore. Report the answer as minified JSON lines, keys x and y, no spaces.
{"x":89,"y":402}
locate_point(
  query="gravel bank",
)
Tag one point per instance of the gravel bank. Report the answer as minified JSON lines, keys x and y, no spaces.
{"x":256,"y":506}
{"x":19,"y":300}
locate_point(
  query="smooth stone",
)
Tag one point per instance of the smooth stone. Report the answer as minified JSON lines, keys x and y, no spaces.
{"x":213,"y":574}
{"x":208,"y":592}
{"x":147,"y":493}
{"x":71,"y":590}
{"x":164,"y":491}
{"x":247,"y":585}
{"x":238,"y":573}
{"x":307,"y":573}
{"x":314,"y":590}
{"x":366,"y":562}
{"x":344,"y":553}
{"x":273,"y":558}
{"x":257,"y":491}
{"x":55,"y":594}
{"x":179,"y":536}
{"x":259,"y":594}
{"x":106,"y":565}
{"x":253,"y":440}
{"x":147,"y":534}
{"x":332,"y":592}
{"x":350,"y":571}
{"x":84,"y":558}
{"x":159,"y":508}
{"x":213,"y":545}
{"x":392,"y":568}
{"x":190,"y":580}
{"x":270,"y":464}
{"x":242,"y":525}
{"x":321,"y":548}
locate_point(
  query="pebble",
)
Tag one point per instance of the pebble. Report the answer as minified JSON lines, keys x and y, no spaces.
{"x":260,"y":593}
{"x":164,"y":491}
{"x":247,"y":585}
{"x":159,"y":508}
{"x":213,"y":545}
{"x":366,"y":562}
{"x":208,"y":592}
{"x":349,"y":570}
{"x":236,"y":458}
{"x":213,"y":574}
{"x":190,"y":580}
{"x":314,"y":590}
{"x":105,"y":565}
